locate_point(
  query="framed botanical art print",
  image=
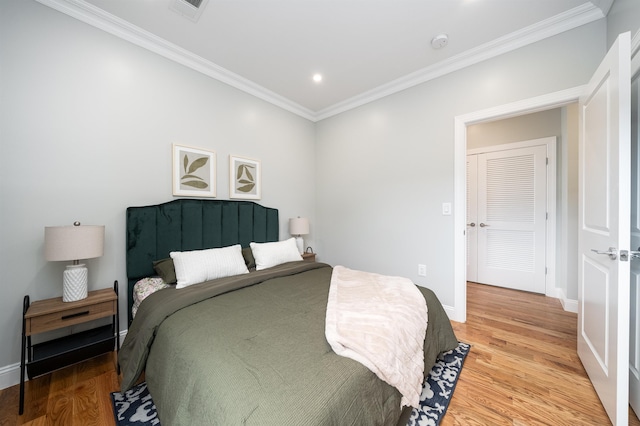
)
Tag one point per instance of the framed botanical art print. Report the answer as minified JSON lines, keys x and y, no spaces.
{"x":194,"y":172}
{"x":244,"y":178}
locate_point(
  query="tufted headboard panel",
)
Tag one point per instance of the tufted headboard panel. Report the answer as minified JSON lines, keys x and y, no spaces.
{"x":190,"y":224}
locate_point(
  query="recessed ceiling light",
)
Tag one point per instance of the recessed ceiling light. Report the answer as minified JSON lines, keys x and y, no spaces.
{"x":439,"y":41}
{"x":317,"y":78}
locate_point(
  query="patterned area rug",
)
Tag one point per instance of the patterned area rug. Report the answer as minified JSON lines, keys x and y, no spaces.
{"x":135,"y":407}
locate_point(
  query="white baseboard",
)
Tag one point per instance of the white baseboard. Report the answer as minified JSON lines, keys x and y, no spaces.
{"x":569,"y":305}
{"x":450,"y":311}
{"x":10,"y":374}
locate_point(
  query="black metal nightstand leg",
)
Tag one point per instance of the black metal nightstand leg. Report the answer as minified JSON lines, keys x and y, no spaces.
{"x":25,"y":307}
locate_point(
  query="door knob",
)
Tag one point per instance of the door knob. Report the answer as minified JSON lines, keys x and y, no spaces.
{"x":482,"y":225}
{"x":612,"y":253}
{"x":472,"y":224}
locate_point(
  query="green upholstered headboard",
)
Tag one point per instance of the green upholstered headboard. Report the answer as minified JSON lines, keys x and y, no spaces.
{"x":190,"y":224}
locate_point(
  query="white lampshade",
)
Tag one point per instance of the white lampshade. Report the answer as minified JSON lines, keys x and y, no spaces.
{"x":299,"y":226}
{"x":63,"y":243}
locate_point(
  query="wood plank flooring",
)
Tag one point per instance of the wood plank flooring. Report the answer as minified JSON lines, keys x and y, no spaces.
{"x":522,"y":370}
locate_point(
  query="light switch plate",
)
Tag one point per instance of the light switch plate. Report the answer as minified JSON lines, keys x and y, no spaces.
{"x":446,"y":209}
{"x":422,"y":270}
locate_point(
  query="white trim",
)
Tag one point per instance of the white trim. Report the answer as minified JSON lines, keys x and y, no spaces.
{"x":105,"y":21}
{"x":10,"y":374}
{"x":450,"y":311}
{"x":569,"y":305}
{"x":566,"y":21}
{"x":604,"y":5}
{"x":526,"y":106}
{"x":550,"y":248}
{"x":92,"y":15}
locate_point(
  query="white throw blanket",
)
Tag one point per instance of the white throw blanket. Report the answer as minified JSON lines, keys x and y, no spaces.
{"x":379,"y":321}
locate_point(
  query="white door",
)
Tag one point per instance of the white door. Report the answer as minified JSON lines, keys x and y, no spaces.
{"x":634,"y":323}
{"x":511,"y":218}
{"x":472,"y":218}
{"x":604,"y":211}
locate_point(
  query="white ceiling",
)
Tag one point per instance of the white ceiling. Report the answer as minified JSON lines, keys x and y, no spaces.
{"x":365,"y":49}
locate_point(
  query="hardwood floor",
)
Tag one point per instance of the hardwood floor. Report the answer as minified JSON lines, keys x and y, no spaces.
{"x":522,"y":370}
{"x":76,"y":395}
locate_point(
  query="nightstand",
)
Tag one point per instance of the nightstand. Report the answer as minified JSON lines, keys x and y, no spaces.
{"x":309,"y":257}
{"x":52,"y":314}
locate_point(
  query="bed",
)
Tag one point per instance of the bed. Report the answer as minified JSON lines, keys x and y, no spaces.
{"x":247,"y":349}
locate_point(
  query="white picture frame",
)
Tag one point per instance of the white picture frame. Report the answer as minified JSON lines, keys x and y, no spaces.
{"x":245,"y":178}
{"x":194,"y":172}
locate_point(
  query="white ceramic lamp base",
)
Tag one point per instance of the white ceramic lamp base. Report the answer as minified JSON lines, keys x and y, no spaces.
{"x":300,"y":244}
{"x":74,"y":283}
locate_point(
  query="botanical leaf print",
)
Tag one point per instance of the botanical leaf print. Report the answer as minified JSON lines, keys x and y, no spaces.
{"x":189,"y":179}
{"x":196,"y":184}
{"x":246,"y":188}
{"x":249,"y":175}
{"x":245,"y":179}
{"x":200,"y":162}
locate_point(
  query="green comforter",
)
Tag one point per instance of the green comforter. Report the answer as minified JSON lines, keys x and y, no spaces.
{"x":251,"y":350}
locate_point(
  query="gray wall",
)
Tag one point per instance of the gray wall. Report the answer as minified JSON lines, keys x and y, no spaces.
{"x":87,"y":121}
{"x":623,"y":16}
{"x":384,"y":169}
{"x":525,"y":127}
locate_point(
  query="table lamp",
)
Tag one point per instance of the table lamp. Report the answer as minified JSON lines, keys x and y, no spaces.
{"x":64,"y":243}
{"x":297,"y":227}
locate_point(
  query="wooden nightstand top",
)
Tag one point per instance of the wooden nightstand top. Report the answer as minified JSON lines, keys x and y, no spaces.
{"x":51,"y":314}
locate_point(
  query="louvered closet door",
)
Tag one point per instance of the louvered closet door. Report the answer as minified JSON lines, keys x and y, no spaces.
{"x":511,"y":228}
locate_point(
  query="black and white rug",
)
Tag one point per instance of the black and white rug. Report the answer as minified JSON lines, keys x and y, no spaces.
{"x":135,"y":407}
{"x":439,"y":386}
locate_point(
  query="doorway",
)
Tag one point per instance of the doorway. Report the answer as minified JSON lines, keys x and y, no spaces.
{"x":542,"y":103}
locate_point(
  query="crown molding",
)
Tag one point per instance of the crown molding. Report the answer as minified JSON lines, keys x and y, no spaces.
{"x":604,"y":5}
{"x":105,"y":21}
{"x":568,"y":20}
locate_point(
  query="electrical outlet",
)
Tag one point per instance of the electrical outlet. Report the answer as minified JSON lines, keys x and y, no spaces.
{"x":422,"y":270}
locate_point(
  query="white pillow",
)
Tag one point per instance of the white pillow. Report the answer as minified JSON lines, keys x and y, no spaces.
{"x":272,"y":254}
{"x":193,"y":267}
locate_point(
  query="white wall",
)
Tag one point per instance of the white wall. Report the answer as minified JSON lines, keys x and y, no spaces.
{"x":87,"y":121}
{"x":384,"y":169}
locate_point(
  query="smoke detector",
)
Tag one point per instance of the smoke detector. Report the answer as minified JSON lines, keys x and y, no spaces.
{"x":439,"y":41}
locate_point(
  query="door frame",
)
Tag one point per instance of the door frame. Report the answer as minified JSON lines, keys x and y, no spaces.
{"x":536,"y":104}
{"x":550,"y":142}
{"x":527,"y":106}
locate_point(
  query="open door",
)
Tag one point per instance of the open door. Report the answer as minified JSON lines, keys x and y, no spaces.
{"x":634,"y":331}
{"x":603,"y":235}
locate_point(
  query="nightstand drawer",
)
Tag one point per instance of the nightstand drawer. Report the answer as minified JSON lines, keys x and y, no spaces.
{"x":78,"y":315}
